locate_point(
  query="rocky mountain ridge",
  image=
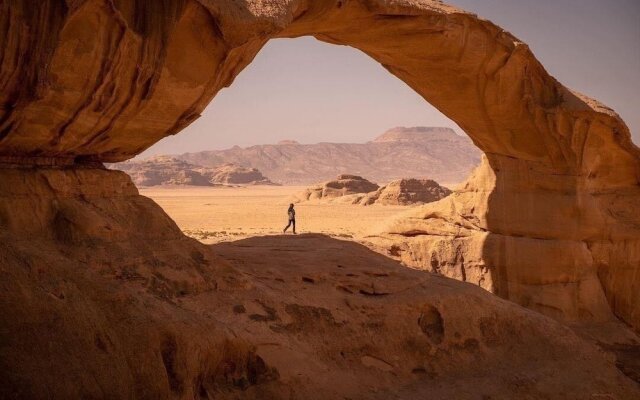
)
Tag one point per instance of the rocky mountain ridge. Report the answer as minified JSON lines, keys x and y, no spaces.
{"x":420,"y":152}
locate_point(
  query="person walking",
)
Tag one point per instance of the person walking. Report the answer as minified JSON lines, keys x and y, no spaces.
{"x":292,"y":219}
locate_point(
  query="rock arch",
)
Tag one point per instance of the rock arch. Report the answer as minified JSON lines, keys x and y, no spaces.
{"x":547,"y":220}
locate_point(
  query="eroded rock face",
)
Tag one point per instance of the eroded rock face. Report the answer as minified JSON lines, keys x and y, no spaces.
{"x":407,"y":192}
{"x":93,"y":275}
{"x":343,"y":185}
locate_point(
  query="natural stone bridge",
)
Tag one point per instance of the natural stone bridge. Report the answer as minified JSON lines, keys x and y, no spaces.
{"x":549,"y":220}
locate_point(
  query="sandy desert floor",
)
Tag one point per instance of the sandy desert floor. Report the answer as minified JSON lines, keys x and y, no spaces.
{"x":214,"y":215}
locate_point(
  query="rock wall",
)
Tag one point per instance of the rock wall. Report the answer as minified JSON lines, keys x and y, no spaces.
{"x":92,"y":81}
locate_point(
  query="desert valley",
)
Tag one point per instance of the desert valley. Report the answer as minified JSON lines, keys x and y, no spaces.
{"x":234,"y":200}
{"x":498,"y":263}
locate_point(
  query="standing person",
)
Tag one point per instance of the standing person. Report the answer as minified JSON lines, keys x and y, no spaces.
{"x":292,"y":219}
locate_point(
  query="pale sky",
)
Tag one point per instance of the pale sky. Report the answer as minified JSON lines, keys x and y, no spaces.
{"x":310,"y":91}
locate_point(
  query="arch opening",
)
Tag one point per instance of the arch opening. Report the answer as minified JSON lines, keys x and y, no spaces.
{"x":376,"y":153}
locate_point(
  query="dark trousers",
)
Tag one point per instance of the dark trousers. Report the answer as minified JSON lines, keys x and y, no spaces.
{"x":291,"y":222}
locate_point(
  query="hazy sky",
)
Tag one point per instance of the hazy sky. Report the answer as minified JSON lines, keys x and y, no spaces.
{"x":311,"y":91}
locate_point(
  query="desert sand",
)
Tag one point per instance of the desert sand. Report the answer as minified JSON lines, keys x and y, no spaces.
{"x":215,"y":214}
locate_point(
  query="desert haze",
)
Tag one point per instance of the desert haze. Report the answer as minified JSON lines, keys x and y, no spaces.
{"x":436,"y":153}
{"x":419,"y":152}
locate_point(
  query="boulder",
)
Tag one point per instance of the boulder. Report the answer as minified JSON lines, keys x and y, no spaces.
{"x":407,"y":192}
{"x":343,"y":185}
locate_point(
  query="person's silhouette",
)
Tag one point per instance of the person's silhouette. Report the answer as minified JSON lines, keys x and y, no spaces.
{"x":292,"y":219}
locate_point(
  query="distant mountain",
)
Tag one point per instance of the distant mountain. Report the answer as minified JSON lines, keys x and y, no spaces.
{"x":167,"y":170}
{"x":420,"y":152}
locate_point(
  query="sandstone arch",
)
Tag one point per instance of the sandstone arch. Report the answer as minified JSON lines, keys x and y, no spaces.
{"x":549,"y":214}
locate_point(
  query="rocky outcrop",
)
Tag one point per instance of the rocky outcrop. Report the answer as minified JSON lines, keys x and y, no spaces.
{"x":343,"y":185}
{"x":231,"y":174}
{"x":438,"y":153}
{"x":405,"y":192}
{"x":103,"y":297}
{"x":353,"y":189}
{"x":164,"y":170}
{"x":540,"y":258}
